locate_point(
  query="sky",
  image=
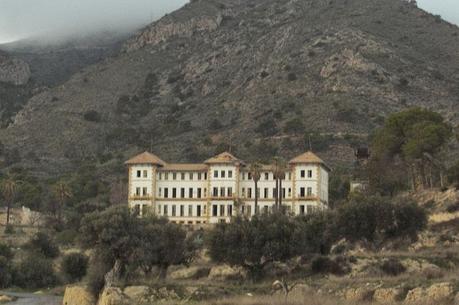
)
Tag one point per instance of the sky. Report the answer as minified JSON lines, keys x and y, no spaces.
{"x":21,"y":19}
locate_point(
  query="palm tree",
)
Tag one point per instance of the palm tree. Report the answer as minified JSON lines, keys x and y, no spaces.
{"x":9,"y":188}
{"x":62,"y":192}
{"x":255,"y":171}
{"x":279,"y":174}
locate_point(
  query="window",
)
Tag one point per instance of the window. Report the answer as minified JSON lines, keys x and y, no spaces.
{"x":138,"y":174}
{"x":230,"y":192}
{"x":222,"y":174}
{"x":165,"y":210}
{"x":166,"y":193}
{"x":290,"y":192}
{"x":182,"y":192}
{"x":166,"y":176}
{"x":230,"y":210}
{"x":289,"y":176}
{"x":301,"y":209}
{"x":190,"y":192}
{"x":174,"y":210}
{"x":198,"y":211}
{"x":266,"y":192}
{"x":309,"y":173}
{"x":230,"y":174}
{"x":222,"y":192}
{"x":243,"y":176}
{"x":302,"y":193}
{"x":214,"y":210}
{"x":145,"y":173}
{"x":199,"y":176}
{"x":191,"y":176}
{"x":190,"y":210}
{"x":258,"y":192}
{"x":309,"y":191}
{"x":249,"y":210}
{"x":215,"y":174}
{"x":302,"y":173}
{"x":215,"y":192}
{"x":266,"y":176}
{"x":283,"y":192}
{"x":243,"y":192}
{"x":174,"y":192}
{"x":137,"y":191}
{"x":174,"y":176}
{"x":144,"y":191}
{"x":182,"y":210}
{"x":274,"y":192}
{"x":249,"y":192}
{"x":160,"y":175}
{"x":159,"y":192}
{"x":222,"y":210}
{"x":183,"y":176}
{"x":205,"y":176}
{"x":199,"y":192}
{"x":205,"y":192}
{"x":249,"y":176}
{"x":159,"y":209}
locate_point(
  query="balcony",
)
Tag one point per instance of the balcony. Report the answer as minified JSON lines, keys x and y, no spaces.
{"x":141,"y":197}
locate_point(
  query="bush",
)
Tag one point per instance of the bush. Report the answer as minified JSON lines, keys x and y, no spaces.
{"x":96,"y":273}
{"x":35,"y":271}
{"x":325,"y":265}
{"x":392,"y":267}
{"x":295,"y":126}
{"x":9,"y":230}
{"x":66,"y":237}
{"x":5,"y":272}
{"x":74,"y":266}
{"x":5,"y":251}
{"x":92,"y":116}
{"x":42,"y":244}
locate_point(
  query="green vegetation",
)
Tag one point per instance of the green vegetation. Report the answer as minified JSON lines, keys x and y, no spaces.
{"x":74,"y":266}
{"x":34,"y":271}
{"x":42,"y":245}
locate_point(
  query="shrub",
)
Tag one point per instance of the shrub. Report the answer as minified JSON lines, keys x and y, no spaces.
{"x":92,"y":116}
{"x":5,"y":272}
{"x":267,"y":127}
{"x":74,"y":266}
{"x":453,"y":207}
{"x":66,"y":237}
{"x":292,"y":77}
{"x":42,"y":244}
{"x":324,"y":265}
{"x":392,"y":267}
{"x":453,"y":174}
{"x":295,"y":126}
{"x":5,"y":251}
{"x":215,"y":125}
{"x":34,"y":271}
{"x":9,"y":230}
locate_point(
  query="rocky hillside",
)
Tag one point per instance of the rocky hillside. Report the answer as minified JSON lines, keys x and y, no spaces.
{"x":256,"y":74}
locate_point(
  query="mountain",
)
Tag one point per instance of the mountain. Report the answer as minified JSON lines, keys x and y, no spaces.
{"x":262,"y":77}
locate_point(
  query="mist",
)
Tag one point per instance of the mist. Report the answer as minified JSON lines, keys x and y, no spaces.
{"x":53,"y":20}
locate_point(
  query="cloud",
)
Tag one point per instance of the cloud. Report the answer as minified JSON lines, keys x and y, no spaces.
{"x":31,"y":18}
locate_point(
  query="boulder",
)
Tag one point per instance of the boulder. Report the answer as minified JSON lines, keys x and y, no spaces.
{"x":416,"y":296}
{"x":387,"y":295}
{"x":113,"y":296}
{"x":137,"y":294}
{"x":225,"y":272}
{"x":440,"y":292}
{"x":6,"y":298}
{"x":78,"y":295}
{"x":358,"y":294}
{"x":190,"y":273}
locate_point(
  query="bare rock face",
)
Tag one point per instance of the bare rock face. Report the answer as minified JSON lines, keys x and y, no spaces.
{"x":387,"y":295}
{"x":137,"y":294}
{"x":78,"y":295}
{"x":6,"y":299}
{"x":113,"y":296}
{"x":441,"y":292}
{"x":14,"y":71}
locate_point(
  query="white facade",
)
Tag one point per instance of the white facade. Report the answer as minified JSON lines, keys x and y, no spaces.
{"x":222,"y":187}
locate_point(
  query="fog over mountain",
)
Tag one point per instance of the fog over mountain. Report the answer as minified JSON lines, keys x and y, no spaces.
{"x":56,"y":19}
{"x":53,"y":20}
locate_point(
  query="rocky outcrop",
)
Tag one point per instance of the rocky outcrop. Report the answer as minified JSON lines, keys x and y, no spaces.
{"x":225,"y":272}
{"x":359,"y":294}
{"x":388,"y":295}
{"x":137,"y":294}
{"x":113,"y":296}
{"x":441,"y":292}
{"x":78,"y":295}
{"x":14,"y":71}
{"x":6,"y":299}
